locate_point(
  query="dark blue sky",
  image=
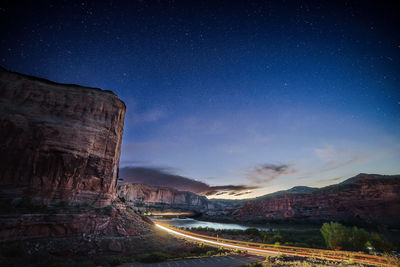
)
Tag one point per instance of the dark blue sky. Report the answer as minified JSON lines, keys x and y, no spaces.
{"x":272,"y":94}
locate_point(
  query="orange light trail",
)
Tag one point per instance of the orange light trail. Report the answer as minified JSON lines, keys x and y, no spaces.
{"x":293,"y":251}
{"x":214,"y":242}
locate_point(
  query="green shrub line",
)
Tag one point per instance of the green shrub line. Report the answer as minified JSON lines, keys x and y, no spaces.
{"x":310,"y":238}
{"x":331,"y":235}
{"x":340,"y":237}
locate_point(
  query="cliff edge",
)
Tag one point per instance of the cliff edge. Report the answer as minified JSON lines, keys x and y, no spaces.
{"x":58,"y":142}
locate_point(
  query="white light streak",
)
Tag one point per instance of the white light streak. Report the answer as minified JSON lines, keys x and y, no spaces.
{"x":217,"y":243}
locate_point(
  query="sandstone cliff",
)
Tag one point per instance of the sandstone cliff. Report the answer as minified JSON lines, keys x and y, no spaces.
{"x":155,"y":195}
{"x":58,"y":142}
{"x":362,"y":199}
{"x":59,"y":153}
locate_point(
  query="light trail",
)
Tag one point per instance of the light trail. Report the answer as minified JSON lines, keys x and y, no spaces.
{"x":301,"y":252}
{"x":217,"y":243}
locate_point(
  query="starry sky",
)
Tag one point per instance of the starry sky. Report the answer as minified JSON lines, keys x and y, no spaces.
{"x":262,"y":95}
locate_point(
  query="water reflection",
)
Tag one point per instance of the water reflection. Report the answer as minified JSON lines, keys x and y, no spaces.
{"x":189,"y":223}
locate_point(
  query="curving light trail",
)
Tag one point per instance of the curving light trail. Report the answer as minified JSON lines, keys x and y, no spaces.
{"x":218,"y":243}
{"x":366,"y":259}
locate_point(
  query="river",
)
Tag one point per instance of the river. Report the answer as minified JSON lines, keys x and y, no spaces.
{"x":189,"y":223}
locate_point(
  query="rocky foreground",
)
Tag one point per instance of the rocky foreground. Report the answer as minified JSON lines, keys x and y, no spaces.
{"x":59,"y":152}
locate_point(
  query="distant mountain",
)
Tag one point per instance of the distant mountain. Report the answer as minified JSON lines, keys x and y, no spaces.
{"x":293,"y":190}
{"x":365,"y":198}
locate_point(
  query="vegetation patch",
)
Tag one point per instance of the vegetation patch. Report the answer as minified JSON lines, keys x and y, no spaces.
{"x":340,"y":237}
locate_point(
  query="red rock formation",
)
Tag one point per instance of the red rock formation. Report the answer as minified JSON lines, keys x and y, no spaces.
{"x":66,"y":224}
{"x":58,"y":142}
{"x":364,"y":199}
{"x":153,"y":195}
{"x":59,"y":155}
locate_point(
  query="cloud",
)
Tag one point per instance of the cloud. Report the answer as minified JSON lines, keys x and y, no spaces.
{"x":242,"y":193}
{"x":265,"y":173}
{"x":152,"y":115}
{"x":148,"y":116}
{"x":231,"y":190}
{"x":334,"y":158}
{"x":165,"y":178}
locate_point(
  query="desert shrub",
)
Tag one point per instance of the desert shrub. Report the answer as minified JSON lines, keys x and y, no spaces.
{"x":281,"y":256}
{"x":236,"y":250}
{"x":255,"y":264}
{"x":209,"y":253}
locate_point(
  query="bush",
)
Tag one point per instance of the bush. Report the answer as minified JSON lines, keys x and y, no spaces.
{"x":335,"y":235}
{"x":256,"y":264}
{"x":338,"y":236}
{"x":236,"y":250}
{"x":209,"y":253}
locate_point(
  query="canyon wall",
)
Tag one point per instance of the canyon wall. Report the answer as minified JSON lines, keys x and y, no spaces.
{"x":365,"y":198}
{"x":59,"y":155}
{"x":151,"y":195}
{"x":58,"y":142}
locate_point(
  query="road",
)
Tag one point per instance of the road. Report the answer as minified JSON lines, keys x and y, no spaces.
{"x":266,"y":249}
{"x":231,"y":261}
{"x":216,"y":243}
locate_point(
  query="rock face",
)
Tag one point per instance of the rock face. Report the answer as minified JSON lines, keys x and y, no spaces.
{"x":58,"y":142}
{"x":155,"y":195}
{"x":59,"y":156}
{"x":364,"y":198}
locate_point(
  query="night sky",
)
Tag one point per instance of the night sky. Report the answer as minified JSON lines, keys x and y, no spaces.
{"x":268,"y":95}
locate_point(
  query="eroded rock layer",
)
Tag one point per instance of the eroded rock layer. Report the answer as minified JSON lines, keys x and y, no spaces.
{"x":58,"y":142}
{"x":154,"y":195}
{"x":365,"y":198}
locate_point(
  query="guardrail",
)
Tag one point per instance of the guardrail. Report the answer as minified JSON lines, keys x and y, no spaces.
{"x":260,"y":248}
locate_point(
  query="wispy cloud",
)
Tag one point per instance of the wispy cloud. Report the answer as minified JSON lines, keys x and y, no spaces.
{"x":151,"y":115}
{"x":334,"y":158}
{"x":265,"y":173}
